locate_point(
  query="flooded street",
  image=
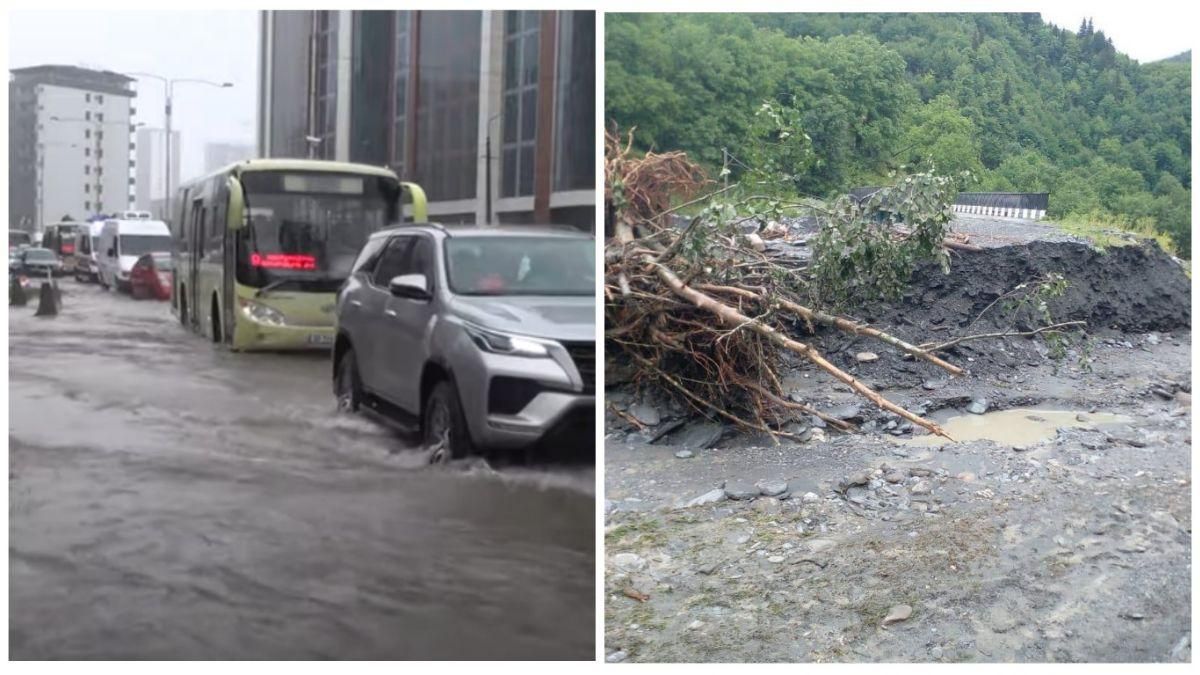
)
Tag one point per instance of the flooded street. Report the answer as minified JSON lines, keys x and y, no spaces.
{"x":169,"y":500}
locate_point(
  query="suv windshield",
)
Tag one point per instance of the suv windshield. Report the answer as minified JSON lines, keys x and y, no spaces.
{"x":521,"y":265}
{"x":305,"y":229}
{"x":139,"y":244}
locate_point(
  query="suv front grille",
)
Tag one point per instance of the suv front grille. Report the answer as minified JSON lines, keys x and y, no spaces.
{"x":584,"y":356}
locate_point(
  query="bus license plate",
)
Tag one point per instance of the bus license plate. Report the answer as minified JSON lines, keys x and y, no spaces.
{"x":320,"y":339}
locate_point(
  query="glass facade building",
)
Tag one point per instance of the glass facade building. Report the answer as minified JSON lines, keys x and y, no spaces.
{"x":492,"y":112}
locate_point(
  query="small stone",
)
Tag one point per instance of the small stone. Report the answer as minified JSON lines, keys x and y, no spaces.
{"x":966,"y":476}
{"x":894,"y":477}
{"x":897,"y":614}
{"x":645,"y":413}
{"x":977,"y":406}
{"x":810,"y":498}
{"x":775,"y":559}
{"x":936,"y":653}
{"x":710,"y":497}
{"x":772,"y":486}
{"x":756,"y":242}
{"x":818,"y":436}
{"x":866,"y":357}
{"x":820,"y":545}
{"x":1081,"y":417}
{"x":684,"y":454}
{"x":767,"y":505}
{"x":1001,"y":620}
{"x":696,"y":625}
{"x":1153,"y":339}
{"x":616,"y":657}
{"x":921,"y":487}
{"x":849,"y":411}
{"x":739,"y":489}
{"x":920,"y":471}
{"x":933,"y":385}
{"x":629,"y":561}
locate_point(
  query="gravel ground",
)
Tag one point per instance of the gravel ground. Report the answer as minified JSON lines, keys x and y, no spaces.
{"x":1077,"y":549}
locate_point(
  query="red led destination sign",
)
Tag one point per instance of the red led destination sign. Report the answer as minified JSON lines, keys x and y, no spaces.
{"x":284,"y":261}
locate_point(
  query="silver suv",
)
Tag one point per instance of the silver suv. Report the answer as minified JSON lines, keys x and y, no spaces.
{"x":484,"y":337}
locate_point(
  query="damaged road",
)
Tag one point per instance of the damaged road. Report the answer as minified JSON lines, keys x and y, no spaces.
{"x":1070,"y":544}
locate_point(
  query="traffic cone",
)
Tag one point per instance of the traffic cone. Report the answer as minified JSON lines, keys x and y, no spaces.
{"x":47,"y":301}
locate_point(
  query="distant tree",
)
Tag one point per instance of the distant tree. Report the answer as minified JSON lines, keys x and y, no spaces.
{"x":66,"y":219}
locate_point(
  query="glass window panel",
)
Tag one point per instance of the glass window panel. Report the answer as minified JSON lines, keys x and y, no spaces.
{"x":529,"y":115}
{"x":508,"y":174}
{"x":510,"y":118}
{"x":529,"y":60}
{"x":525,"y":180}
{"x":512,"y":63}
{"x":531,"y":19}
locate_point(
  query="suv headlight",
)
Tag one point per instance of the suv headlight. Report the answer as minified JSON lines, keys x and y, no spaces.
{"x":502,"y":343}
{"x":262,"y":314}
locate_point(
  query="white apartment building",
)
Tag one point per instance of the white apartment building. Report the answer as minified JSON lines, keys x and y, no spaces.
{"x":70,"y":144}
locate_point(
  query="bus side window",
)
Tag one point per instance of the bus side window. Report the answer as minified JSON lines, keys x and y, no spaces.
{"x":185,"y":225}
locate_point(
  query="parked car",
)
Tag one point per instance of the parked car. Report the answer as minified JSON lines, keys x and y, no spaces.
{"x":483,"y":337}
{"x":150,"y":276}
{"x":40,"y":262}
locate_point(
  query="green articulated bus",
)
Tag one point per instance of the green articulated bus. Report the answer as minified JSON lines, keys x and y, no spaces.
{"x":262,"y":246}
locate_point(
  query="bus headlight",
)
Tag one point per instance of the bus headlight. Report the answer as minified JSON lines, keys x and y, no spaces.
{"x":262,"y":314}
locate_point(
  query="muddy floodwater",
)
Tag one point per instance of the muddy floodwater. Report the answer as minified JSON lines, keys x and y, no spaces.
{"x":169,"y":500}
{"x":1018,"y":427}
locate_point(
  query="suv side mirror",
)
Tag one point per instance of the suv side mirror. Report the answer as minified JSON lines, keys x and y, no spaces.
{"x":413,"y":286}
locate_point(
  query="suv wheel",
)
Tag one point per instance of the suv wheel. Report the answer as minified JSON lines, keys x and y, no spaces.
{"x":445,"y":427}
{"x":348,"y":387}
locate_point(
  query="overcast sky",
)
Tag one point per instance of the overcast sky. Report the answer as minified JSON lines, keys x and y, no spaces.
{"x":1145,"y":33}
{"x":210,"y":45}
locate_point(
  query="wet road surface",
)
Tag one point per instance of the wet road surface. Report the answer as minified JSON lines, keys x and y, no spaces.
{"x":169,"y":500}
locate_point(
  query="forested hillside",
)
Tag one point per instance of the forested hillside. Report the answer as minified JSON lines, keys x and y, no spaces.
{"x":1021,"y":104}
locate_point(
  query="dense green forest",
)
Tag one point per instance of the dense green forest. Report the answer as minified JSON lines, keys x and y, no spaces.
{"x":1023,"y":105}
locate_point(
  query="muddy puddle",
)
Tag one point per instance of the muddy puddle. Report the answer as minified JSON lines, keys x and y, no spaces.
{"x":1018,"y":427}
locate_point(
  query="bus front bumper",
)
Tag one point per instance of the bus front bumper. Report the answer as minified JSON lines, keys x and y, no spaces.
{"x":254,"y":336}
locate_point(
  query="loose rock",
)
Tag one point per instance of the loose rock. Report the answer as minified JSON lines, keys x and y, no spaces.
{"x":897,"y":614}
{"x":866,"y":357}
{"x":684,"y":454}
{"x":739,"y":489}
{"x":710,"y":497}
{"x":629,"y":561}
{"x":645,"y":413}
{"x":616,"y":657}
{"x":772,"y":487}
{"x":977,"y":406}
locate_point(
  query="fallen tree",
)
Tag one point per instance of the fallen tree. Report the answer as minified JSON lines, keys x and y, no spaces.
{"x":700,"y":311}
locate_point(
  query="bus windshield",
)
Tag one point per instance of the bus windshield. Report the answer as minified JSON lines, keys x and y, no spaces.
{"x":305,"y":229}
{"x":18,"y":237}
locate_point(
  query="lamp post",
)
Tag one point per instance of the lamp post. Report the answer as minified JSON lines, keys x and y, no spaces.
{"x":487,"y":158}
{"x":169,"y":88}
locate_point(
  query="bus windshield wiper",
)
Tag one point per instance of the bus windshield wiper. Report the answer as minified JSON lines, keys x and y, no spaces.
{"x":271,"y":286}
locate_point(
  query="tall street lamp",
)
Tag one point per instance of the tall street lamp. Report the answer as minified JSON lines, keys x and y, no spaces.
{"x":169,"y":87}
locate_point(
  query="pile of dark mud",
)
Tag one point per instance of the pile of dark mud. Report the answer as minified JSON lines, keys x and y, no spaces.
{"x":1136,"y":288}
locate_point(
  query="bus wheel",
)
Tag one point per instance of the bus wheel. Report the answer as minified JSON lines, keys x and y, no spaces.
{"x":216,"y":322}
